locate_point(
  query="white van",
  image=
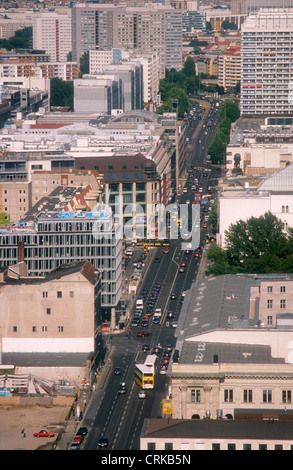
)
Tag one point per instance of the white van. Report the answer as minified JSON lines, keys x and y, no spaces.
{"x":139,"y":304}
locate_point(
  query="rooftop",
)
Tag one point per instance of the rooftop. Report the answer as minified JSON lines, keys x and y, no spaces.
{"x":207,"y":429}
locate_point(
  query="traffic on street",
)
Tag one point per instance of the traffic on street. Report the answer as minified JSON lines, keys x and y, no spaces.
{"x":114,"y":417}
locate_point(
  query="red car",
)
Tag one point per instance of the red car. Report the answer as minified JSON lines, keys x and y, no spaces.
{"x":166,"y":251}
{"x":143,"y":333}
{"x":204,"y":225}
{"x":44,"y":433}
{"x":78,"y":439}
{"x":196,"y":254}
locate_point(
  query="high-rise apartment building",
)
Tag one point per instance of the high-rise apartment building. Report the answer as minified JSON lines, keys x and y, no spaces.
{"x":149,"y":28}
{"x":267,"y":63}
{"x":52,"y":33}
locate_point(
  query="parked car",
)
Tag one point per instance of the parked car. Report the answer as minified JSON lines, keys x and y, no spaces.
{"x":82,"y":431}
{"x":44,"y":433}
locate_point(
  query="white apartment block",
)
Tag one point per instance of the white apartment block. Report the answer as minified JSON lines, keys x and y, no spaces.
{"x":266,"y":64}
{"x":150,"y":63}
{"x":52,"y":32}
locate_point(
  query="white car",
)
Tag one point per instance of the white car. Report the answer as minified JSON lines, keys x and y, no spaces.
{"x":142,"y":394}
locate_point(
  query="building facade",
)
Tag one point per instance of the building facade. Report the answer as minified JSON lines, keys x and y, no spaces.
{"x":150,"y":28}
{"x":52,"y":32}
{"x":52,"y":238}
{"x":59,"y":312}
{"x":266,"y":64}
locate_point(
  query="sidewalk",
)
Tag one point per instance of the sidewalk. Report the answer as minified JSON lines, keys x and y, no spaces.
{"x":73,"y":423}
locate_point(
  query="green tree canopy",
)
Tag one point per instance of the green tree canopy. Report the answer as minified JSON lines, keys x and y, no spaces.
{"x":257,"y":245}
{"x":61,"y":93}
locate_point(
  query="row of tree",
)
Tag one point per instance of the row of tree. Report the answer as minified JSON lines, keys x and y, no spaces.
{"x":229,"y":113}
{"x":257,"y":245}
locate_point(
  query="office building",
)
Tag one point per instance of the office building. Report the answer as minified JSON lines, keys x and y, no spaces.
{"x":97,"y":94}
{"x":267,"y":65}
{"x":52,"y":236}
{"x":149,"y":28}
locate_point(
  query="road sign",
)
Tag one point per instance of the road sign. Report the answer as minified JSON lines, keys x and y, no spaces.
{"x":167,"y":406}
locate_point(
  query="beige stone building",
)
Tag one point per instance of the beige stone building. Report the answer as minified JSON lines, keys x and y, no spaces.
{"x":44,"y":182}
{"x":229,"y":355}
{"x":15,"y":199}
{"x":56,"y":313}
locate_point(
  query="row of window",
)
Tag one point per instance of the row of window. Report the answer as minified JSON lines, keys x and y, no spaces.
{"x":228,"y":446}
{"x":44,"y":329}
{"x":282,"y":304}
{"x":59,"y":295}
{"x":267,"y":396}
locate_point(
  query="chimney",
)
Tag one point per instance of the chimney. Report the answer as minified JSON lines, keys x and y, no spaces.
{"x":20,"y":251}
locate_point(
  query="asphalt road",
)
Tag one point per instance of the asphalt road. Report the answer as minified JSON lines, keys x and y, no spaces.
{"x":120,"y":417}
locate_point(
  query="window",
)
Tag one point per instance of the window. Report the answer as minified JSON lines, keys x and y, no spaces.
{"x":71,"y":294}
{"x":45,"y":294}
{"x":247,"y":396}
{"x":269,"y":320}
{"x":246,"y":446}
{"x":168,"y":446}
{"x":59,"y":294}
{"x":195,"y":396}
{"x":286,"y":396}
{"x":44,"y":329}
{"x":14,"y":329}
{"x":262,"y":447}
{"x":282,"y":303}
{"x":151,"y":446}
{"x":60,"y":329}
{"x":34,"y":329}
{"x":267,"y":396}
{"x":231,"y":446}
{"x":228,"y":395}
{"x":283,"y":289}
{"x":269,"y":303}
{"x":270,"y":289}
{"x":48,"y":311}
{"x":216,"y":446}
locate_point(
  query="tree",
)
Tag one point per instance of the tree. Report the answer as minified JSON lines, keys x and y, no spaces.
{"x":250,"y":242}
{"x":189,"y":67}
{"x":61,"y":93}
{"x":84,"y":64}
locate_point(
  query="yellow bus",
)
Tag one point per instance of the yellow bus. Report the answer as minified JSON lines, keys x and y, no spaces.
{"x":144,"y":374}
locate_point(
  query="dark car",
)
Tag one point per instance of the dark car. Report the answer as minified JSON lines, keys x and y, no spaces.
{"x":173,"y":296}
{"x":82,"y":431}
{"x":157,"y":260}
{"x":117,"y":371}
{"x":122,"y":389}
{"x":103,"y":442}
